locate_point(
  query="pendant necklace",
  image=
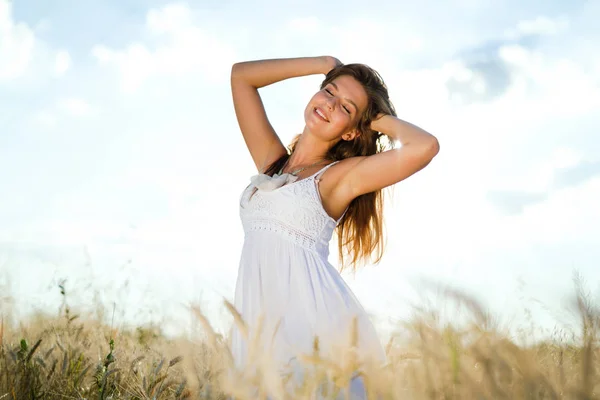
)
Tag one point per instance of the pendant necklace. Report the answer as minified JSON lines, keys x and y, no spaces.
{"x":296,"y":172}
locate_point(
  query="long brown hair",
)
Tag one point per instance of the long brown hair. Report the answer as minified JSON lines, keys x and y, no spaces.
{"x":360,"y":231}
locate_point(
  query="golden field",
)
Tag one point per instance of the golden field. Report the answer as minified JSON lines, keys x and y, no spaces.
{"x":68,"y":356}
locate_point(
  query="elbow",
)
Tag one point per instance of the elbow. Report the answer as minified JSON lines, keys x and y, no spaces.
{"x":434,"y":146}
{"x":431,"y":147}
{"x":239,"y":74}
{"x":235,"y":70}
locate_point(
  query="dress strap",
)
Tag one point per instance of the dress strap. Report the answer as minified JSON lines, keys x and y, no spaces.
{"x":318,"y":174}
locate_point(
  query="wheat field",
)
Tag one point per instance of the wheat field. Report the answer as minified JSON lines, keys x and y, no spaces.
{"x":69,"y":356}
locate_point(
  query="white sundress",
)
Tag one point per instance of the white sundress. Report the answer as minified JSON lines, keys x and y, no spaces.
{"x":285,"y":277}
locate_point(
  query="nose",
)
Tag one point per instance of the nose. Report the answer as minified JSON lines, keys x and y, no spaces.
{"x":331,"y":103}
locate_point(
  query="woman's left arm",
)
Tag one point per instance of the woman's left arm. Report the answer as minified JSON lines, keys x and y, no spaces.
{"x":380,"y":170}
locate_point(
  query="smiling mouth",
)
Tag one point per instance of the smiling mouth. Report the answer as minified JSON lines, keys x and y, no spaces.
{"x":321,"y":114}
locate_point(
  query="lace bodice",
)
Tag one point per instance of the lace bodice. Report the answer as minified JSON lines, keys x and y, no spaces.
{"x":293,"y":212}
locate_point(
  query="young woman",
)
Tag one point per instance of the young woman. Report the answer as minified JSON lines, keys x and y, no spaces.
{"x":331,"y":179}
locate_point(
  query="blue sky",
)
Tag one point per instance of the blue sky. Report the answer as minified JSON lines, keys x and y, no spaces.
{"x":121,"y":162}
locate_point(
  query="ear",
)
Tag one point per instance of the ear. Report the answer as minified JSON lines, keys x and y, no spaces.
{"x":351,"y":135}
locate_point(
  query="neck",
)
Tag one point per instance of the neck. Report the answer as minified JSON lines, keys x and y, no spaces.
{"x":308,"y":150}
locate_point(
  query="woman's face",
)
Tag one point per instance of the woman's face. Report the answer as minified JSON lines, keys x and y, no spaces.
{"x":336,"y":109}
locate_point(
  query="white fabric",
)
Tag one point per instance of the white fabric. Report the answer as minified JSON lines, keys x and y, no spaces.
{"x":268,"y":183}
{"x":285,"y":277}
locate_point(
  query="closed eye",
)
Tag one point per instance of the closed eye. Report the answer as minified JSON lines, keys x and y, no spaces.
{"x":331,"y":94}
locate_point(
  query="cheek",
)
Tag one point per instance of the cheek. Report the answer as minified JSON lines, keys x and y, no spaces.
{"x":343,"y":116}
{"x":318,"y":98}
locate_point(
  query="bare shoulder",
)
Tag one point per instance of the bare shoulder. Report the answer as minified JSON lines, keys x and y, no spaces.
{"x":335,"y":193}
{"x":338,"y":171}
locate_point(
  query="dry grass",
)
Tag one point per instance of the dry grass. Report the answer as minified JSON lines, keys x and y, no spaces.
{"x":67,"y":357}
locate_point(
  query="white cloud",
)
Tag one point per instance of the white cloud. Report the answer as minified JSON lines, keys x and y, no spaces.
{"x":539,"y":26}
{"x":180,"y":48}
{"x":23,"y":53}
{"x":508,"y":149}
{"x":352,"y":37}
{"x":543,"y":26}
{"x":65,"y":233}
{"x":306,"y":25}
{"x":75,"y":107}
{"x":561,"y":86}
{"x":62,"y":62}
{"x":64,"y":107}
{"x":568,"y":213}
{"x":45,"y":117}
{"x":343,"y":38}
{"x":17,"y":43}
{"x":171,"y":18}
{"x":513,"y":72}
{"x":565,"y":157}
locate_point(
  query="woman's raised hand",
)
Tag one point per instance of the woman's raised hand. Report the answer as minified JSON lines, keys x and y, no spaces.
{"x":377,"y":122}
{"x":330,"y":63}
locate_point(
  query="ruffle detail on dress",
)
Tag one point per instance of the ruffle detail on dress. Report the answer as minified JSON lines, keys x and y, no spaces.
{"x":270,"y":183}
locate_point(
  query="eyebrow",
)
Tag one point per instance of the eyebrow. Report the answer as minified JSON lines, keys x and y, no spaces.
{"x":347,"y":99}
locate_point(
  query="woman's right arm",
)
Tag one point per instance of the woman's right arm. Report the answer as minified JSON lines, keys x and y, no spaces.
{"x":246,"y":78}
